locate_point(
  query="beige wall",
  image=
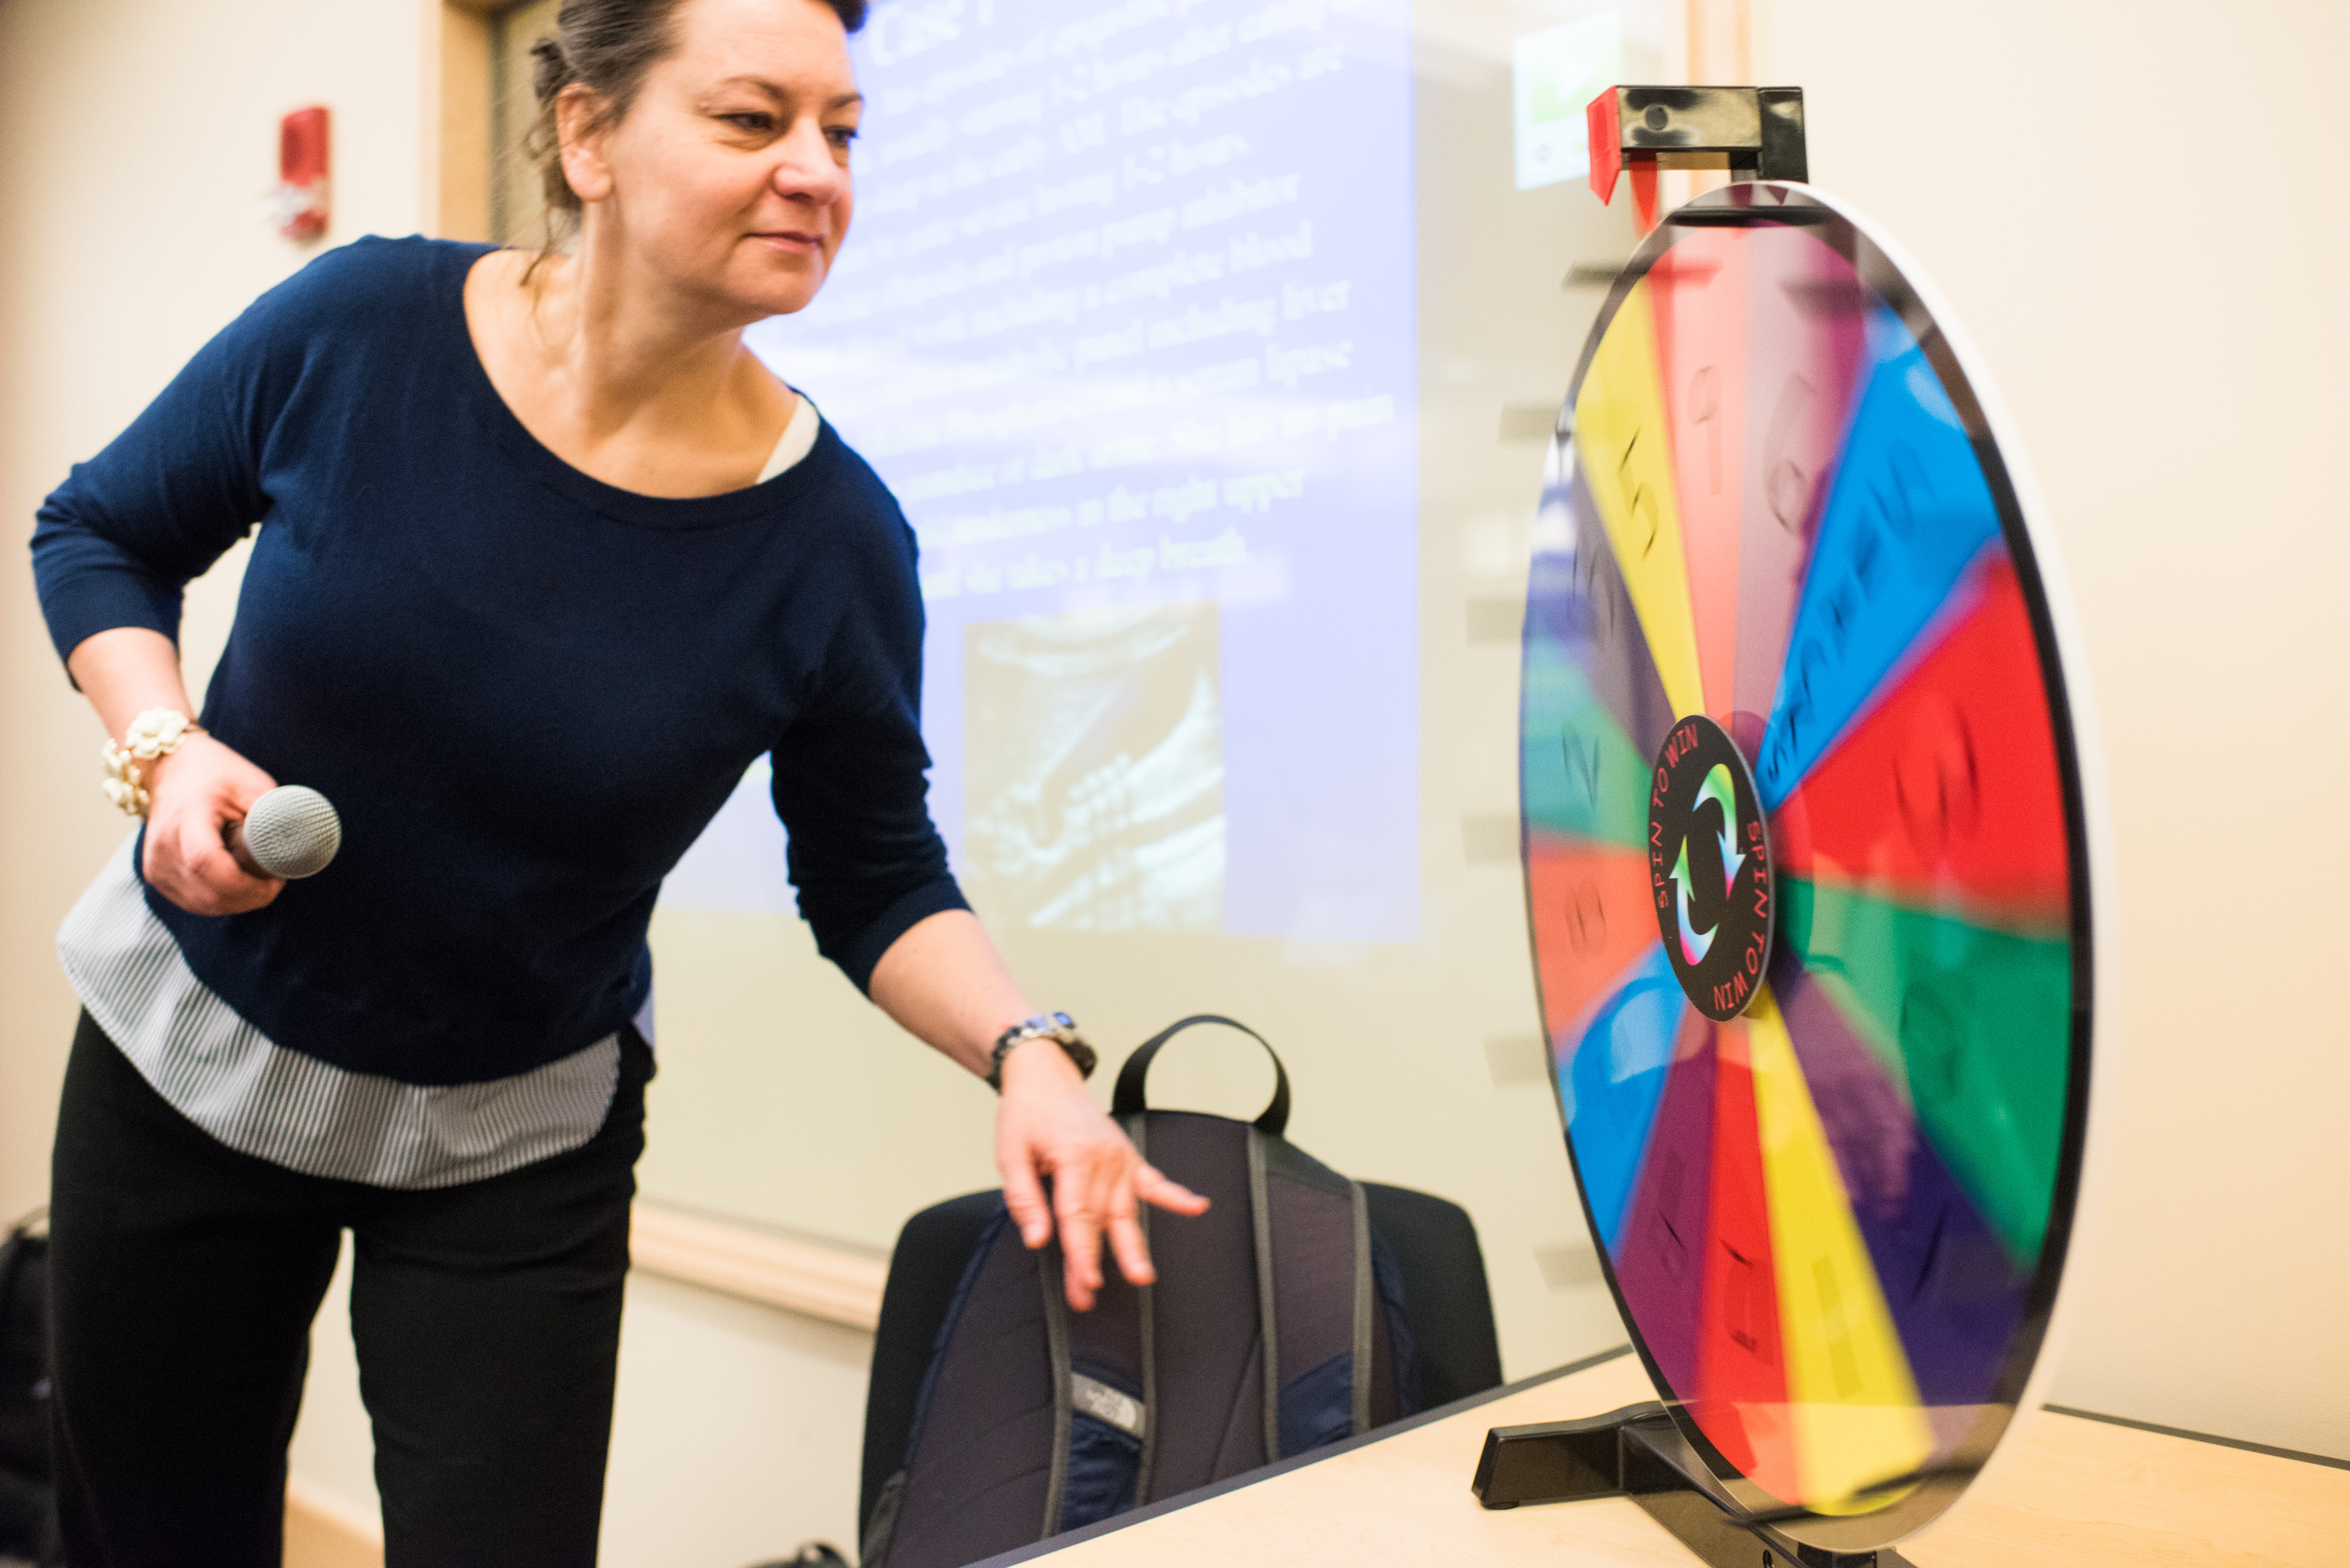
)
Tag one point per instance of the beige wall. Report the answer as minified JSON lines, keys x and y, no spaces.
{"x":136,"y":141}
{"x":2159,"y":302}
{"x":137,"y":138}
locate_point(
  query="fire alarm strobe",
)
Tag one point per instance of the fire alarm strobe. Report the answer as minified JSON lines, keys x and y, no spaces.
{"x":299,"y":203}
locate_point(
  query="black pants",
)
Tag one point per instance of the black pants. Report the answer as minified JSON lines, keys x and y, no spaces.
{"x":185,"y":1279}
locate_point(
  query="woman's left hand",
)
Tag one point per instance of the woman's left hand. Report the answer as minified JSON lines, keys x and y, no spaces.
{"x":942,"y":979}
{"x":1049,"y":1129}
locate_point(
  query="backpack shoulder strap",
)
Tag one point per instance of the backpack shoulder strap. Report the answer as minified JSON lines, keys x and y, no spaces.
{"x":1268,"y":1292}
{"x":1108,"y":1396}
{"x":1058,"y":1368}
{"x":1137,"y":1129}
{"x":1205,"y":1376}
{"x":1328,"y":1334}
{"x":991,"y":1373}
{"x":1366,"y":1364}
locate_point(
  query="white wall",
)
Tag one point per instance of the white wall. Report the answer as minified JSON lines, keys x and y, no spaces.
{"x":2131,"y":209}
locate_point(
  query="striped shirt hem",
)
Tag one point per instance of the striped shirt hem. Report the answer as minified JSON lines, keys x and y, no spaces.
{"x":276,"y":1104}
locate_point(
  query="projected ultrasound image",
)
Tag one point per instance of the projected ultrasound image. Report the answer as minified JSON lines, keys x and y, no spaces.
{"x":1097,"y":802}
{"x":1126,"y":319}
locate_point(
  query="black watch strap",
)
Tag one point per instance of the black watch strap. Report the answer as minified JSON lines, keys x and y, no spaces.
{"x":1058,"y":1027}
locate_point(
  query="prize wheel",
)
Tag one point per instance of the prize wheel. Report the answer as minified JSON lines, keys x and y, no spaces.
{"x":1806,"y":866}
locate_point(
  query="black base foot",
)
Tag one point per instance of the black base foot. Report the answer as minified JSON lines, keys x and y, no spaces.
{"x":1638,"y":1452}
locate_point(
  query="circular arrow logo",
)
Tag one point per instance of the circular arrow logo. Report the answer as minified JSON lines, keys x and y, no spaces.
{"x":1710,"y":867}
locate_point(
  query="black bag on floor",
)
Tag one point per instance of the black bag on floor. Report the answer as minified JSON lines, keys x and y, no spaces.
{"x":1277,"y":1326}
{"x":28,"y":1525}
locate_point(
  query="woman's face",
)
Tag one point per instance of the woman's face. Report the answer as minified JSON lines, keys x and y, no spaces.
{"x":729,"y":175}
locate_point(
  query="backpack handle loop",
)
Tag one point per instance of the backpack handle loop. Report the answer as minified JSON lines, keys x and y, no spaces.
{"x":1128,"y":1099}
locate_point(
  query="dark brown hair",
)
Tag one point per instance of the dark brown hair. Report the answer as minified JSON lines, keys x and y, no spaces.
{"x":607,"y":46}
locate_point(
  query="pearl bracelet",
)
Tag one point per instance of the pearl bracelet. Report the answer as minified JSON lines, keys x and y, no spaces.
{"x":157,"y":732}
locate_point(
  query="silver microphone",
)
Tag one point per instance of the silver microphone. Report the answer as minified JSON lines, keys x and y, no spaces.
{"x":291,"y":832}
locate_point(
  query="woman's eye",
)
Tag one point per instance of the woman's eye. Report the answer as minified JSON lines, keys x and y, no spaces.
{"x":841,"y":135}
{"x":750,"y":121}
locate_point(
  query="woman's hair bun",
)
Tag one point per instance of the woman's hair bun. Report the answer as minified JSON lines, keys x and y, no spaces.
{"x":550,"y":71}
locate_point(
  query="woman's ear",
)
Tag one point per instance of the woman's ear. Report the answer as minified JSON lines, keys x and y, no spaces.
{"x":580,"y":129}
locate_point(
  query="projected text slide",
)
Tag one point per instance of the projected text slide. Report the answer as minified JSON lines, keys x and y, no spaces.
{"x":1125,"y":321}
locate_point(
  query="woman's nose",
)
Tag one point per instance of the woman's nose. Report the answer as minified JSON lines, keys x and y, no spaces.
{"x":809,"y":170}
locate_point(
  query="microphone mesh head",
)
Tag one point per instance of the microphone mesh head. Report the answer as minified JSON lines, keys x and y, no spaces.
{"x":293,"y":832}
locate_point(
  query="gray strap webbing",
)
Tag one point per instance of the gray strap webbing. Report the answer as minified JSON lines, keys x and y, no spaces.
{"x":1268,"y":1323}
{"x":1364,"y":1307}
{"x":1137,"y":1129}
{"x":1057,"y":1348}
{"x":873,"y":1547}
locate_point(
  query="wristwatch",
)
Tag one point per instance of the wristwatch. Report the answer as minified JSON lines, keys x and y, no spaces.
{"x":1058,"y":1027}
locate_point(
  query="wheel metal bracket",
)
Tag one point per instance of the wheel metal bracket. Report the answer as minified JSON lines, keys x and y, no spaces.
{"x":1756,"y":133}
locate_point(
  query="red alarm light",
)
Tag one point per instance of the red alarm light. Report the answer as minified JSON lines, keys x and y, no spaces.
{"x":298,"y":204}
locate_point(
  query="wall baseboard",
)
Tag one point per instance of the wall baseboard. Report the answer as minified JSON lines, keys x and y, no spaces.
{"x":831,"y":1282}
{"x":320,"y":1532}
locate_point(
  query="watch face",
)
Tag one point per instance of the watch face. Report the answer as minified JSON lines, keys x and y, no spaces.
{"x":1058,"y":1027}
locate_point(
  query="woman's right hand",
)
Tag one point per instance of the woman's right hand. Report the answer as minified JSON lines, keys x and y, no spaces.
{"x":197,"y":791}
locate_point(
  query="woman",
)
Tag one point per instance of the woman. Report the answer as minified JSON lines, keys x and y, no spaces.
{"x":550,"y":559}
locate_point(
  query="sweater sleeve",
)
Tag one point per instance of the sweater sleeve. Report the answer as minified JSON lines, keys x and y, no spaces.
{"x":852,"y":783}
{"x":118,"y":541}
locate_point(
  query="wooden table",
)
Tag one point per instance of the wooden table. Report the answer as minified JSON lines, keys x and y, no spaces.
{"x":2075,"y":1492}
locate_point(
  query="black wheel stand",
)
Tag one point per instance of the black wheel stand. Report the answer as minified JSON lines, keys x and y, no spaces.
{"x":1638,"y":1452}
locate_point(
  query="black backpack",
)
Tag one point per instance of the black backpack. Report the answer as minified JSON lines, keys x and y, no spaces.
{"x":28,"y":1524}
{"x":1277,"y":1326}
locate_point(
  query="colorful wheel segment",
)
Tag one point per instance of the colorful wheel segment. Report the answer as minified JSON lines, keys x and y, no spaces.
{"x":1835,"y":1220}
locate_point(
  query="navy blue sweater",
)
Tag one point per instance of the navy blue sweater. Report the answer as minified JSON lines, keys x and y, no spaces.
{"x":525,"y":690}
